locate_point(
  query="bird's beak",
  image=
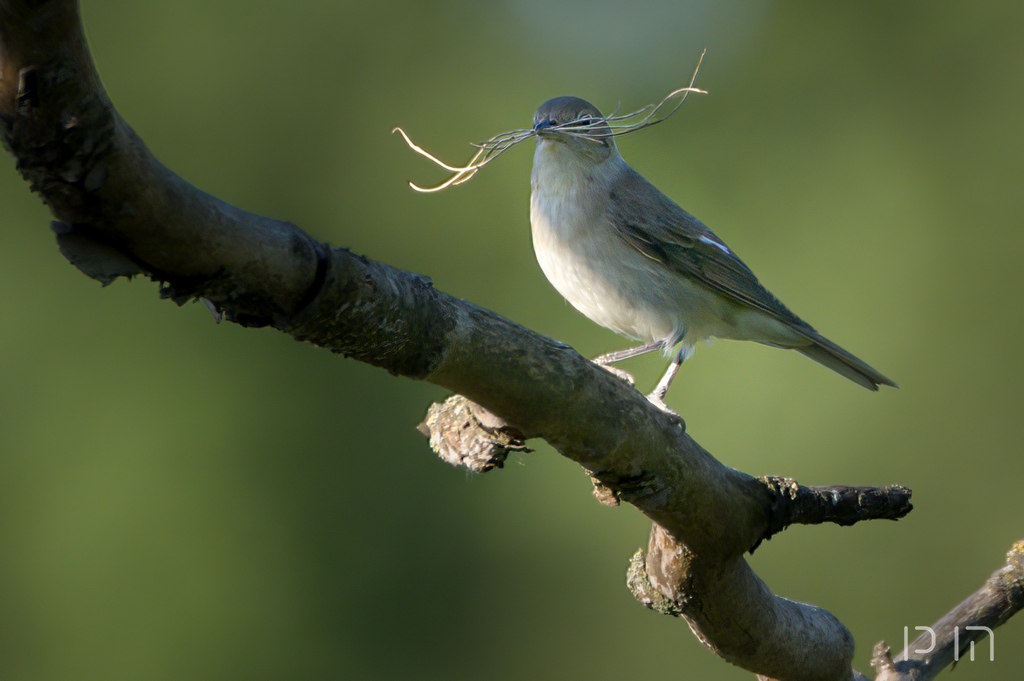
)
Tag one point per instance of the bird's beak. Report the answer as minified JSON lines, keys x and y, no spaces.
{"x":540,"y":126}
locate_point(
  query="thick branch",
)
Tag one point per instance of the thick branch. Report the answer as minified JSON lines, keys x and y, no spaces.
{"x":789,"y":640}
{"x":100,"y":180}
{"x":120,"y":211}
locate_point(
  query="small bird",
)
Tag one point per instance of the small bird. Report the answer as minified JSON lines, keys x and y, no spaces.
{"x":630,"y":259}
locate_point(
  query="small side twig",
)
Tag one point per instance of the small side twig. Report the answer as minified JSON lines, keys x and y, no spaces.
{"x":465,"y":435}
{"x":795,"y":504}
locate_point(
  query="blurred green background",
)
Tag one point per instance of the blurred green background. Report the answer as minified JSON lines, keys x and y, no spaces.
{"x":184,"y":500}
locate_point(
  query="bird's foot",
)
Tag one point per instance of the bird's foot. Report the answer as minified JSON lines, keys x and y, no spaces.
{"x":658,"y":400}
{"x":619,"y":373}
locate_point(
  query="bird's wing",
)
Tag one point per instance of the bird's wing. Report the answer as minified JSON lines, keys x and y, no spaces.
{"x":658,"y":228}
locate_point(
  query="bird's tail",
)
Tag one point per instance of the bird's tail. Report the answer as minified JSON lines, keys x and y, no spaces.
{"x":827,"y":353}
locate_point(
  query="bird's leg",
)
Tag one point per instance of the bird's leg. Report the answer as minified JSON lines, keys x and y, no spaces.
{"x":666,"y":380}
{"x":620,"y":355}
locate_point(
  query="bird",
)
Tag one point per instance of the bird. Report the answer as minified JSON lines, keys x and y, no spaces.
{"x":633,"y":261}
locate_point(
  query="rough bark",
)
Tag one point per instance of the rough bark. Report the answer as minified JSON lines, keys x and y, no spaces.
{"x":120,"y":212}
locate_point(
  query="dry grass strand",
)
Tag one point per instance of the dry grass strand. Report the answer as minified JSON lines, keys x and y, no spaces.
{"x":594,"y":129}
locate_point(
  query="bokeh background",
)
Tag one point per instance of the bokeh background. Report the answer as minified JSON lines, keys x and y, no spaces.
{"x":184,"y":500}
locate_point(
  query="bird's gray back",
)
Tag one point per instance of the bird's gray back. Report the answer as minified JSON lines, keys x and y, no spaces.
{"x":656,"y":226}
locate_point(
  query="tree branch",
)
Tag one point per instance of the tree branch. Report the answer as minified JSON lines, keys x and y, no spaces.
{"x":120,"y":212}
{"x":795,"y":504}
{"x":948,"y":640}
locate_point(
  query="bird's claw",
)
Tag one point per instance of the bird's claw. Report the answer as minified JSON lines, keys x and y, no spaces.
{"x":658,"y":400}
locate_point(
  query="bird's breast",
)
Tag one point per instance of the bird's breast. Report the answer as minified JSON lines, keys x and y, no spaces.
{"x":597,"y":271}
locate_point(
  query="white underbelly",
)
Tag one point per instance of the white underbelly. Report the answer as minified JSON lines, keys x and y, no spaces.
{"x":618,"y":287}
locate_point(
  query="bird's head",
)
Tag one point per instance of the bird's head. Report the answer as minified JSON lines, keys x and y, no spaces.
{"x":570,"y":125}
